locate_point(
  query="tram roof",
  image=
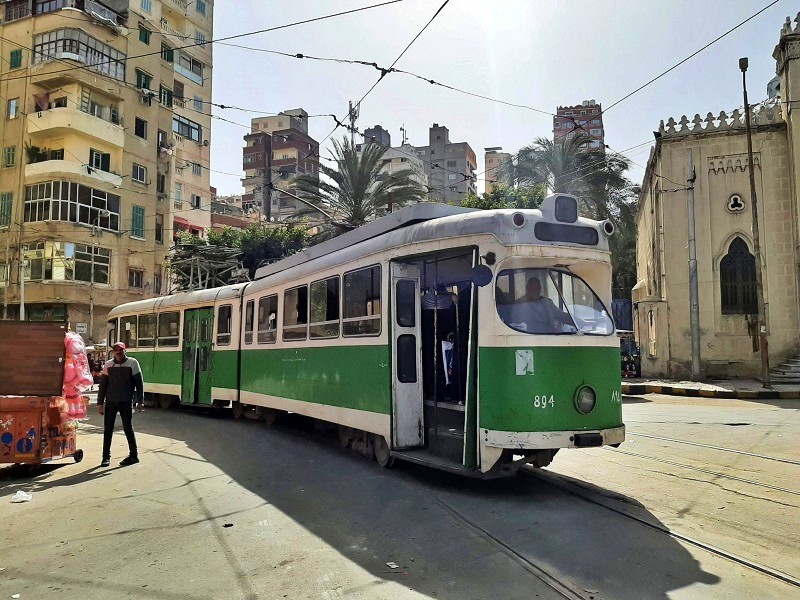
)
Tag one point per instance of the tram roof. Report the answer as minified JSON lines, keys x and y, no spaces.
{"x":181,"y":299}
{"x":409,"y":215}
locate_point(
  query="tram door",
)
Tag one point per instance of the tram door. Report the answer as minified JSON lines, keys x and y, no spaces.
{"x":407,"y":360}
{"x":197,"y":347}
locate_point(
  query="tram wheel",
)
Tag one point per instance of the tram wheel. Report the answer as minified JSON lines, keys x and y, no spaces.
{"x":238,"y":410}
{"x":382,"y":453}
{"x":166,"y":401}
{"x":344,"y":436}
{"x":269,"y":416}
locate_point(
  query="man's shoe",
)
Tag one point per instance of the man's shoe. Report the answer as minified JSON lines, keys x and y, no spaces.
{"x":131,"y":460}
{"x":105,"y":462}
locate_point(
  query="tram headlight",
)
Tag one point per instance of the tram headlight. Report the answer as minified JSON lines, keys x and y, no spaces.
{"x":585,"y":399}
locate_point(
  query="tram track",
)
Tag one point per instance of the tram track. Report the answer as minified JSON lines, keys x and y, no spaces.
{"x":607,"y":502}
{"x":707,"y":471}
{"x":558,"y":584}
{"x":712,"y":447}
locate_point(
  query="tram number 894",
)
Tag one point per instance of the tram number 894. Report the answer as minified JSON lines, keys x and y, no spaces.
{"x":543,"y":401}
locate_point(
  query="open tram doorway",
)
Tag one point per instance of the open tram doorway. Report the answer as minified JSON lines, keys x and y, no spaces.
{"x":434,"y":335}
{"x":198,"y":325}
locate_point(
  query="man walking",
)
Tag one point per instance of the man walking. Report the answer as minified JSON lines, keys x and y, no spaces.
{"x":120,"y":381}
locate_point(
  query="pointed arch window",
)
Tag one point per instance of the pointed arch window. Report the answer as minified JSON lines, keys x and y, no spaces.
{"x":737,"y":275}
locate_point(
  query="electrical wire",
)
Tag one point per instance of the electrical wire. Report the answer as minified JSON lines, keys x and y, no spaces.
{"x":387,"y":71}
{"x":230,"y":37}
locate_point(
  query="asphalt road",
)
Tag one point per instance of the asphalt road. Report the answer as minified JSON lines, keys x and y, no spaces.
{"x":226,"y":509}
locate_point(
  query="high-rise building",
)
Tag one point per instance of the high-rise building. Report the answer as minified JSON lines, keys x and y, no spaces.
{"x":586,"y":119}
{"x":277,"y":150}
{"x":494,"y":160}
{"x":105,"y":142}
{"x":450,"y":166}
{"x":400,"y":158}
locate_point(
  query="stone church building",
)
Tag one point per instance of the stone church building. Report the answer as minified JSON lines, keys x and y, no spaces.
{"x":724,"y":238}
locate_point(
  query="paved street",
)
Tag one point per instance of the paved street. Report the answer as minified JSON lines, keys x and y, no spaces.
{"x":226,"y":509}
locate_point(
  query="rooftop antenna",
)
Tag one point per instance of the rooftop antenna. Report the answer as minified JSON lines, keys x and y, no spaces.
{"x":403,"y":131}
{"x":352,"y":115}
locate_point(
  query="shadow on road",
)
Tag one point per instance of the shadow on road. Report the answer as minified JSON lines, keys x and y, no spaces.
{"x":634,"y":400}
{"x":407,"y":515}
{"x":431,"y":524}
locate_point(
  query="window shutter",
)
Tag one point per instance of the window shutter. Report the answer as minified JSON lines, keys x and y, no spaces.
{"x":6,"y":200}
{"x":15,"y":61}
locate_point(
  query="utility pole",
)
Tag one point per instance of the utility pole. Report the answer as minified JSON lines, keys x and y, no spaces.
{"x":102,"y":214}
{"x":352,"y":115}
{"x":762,"y":319}
{"x":22,"y":266}
{"x":694,"y":304}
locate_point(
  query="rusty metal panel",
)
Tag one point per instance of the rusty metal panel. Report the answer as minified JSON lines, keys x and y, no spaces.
{"x":31,"y":358}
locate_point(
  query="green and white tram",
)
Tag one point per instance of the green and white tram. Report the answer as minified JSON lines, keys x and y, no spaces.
{"x":471,"y":341}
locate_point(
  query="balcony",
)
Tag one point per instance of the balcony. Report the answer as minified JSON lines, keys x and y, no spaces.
{"x":65,"y":120}
{"x":179,"y":4}
{"x":73,"y":171}
{"x":170,"y":30}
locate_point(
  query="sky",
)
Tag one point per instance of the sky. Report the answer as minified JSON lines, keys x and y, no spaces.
{"x":540,"y":53}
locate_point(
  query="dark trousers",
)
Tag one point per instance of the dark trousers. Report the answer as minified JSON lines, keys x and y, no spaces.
{"x":125,"y":410}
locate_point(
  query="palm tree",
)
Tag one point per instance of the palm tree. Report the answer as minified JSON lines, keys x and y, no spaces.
{"x":569,"y":166}
{"x":356,"y":191}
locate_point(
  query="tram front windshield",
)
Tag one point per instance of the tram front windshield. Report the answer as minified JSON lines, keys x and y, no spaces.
{"x":550,"y":301}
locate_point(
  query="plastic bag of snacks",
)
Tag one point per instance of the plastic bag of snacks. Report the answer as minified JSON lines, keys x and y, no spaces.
{"x":77,"y":376}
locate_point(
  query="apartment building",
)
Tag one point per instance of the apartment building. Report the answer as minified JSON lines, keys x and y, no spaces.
{"x":105,"y":137}
{"x":494,"y":159}
{"x":450,"y":166}
{"x":586,"y":119}
{"x":399,"y":158}
{"x":277,"y":150}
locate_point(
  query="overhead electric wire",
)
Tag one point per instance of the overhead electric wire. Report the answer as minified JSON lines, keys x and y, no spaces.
{"x":385,"y":72}
{"x":226,"y":38}
{"x":679,"y":63}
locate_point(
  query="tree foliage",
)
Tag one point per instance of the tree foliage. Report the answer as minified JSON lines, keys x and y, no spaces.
{"x":502,"y":196}
{"x":570,"y":167}
{"x":598,"y":180}
{"x":257,"y":245}
{"x":356,"y":191}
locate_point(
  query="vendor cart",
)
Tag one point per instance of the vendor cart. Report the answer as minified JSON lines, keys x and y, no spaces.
{"x":37,"y":424}
{"x":33,"y":431}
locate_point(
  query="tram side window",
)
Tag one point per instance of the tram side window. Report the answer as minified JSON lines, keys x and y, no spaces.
{"x":406,"y":297}
{"x":267,"y":319}
{"x":295,"y":313}
{"x":128,"y":331}
{"x":147,"y":331}
{"x":324,"y":309}
{"x":168,"y":328}
{"x":224,"y":325}
{"x":248,"y":322}
{"x":362,"y":302}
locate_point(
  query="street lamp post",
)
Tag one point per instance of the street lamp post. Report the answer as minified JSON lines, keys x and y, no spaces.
{"x":762,"y":320}
{"x":103,"y":214}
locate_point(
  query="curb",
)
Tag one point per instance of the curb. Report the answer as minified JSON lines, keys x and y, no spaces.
{"x":647,"y":388}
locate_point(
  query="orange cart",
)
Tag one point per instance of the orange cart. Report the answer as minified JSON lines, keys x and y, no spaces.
{"x":32,"y":430}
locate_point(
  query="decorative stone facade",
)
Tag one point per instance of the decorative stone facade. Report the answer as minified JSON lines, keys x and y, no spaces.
{"x":723,"y":217}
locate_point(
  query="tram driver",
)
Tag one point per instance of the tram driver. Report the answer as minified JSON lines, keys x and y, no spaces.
{"x":535,"y":313}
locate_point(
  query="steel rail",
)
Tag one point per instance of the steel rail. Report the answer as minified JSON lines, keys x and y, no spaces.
{"x":591,"y":497}
{"x":723,"y":449}
{"x":567,"y":590}
{"x":715,"y":473}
